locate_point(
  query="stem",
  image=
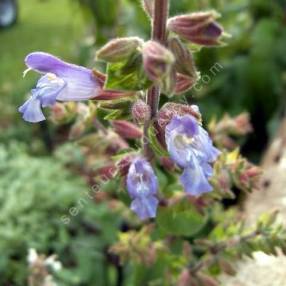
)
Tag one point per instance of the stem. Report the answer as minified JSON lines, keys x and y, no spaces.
{"x":219,"y":248}
{"x":160,"y":17}
{"x":100,"y":126}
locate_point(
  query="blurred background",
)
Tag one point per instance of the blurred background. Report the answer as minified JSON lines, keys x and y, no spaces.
{"x":37,"y":184}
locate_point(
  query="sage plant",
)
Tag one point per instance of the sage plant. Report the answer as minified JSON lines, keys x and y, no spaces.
{"x":158,"y":151}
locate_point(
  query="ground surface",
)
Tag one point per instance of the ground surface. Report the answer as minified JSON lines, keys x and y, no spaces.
{"x":266,"y":270}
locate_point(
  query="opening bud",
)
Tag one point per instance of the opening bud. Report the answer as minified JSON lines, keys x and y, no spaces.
{"x":185,"y":63}
{"x":157,"y":61}
{"x":200,"y":28}
{"x":184,"y":83}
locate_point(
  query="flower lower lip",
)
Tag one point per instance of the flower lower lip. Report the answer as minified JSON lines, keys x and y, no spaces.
{"x":182,"y":141}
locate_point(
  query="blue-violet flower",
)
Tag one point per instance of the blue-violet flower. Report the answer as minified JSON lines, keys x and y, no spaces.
{"x":60,"y":81}
{"x":142,"y":186}
{"x":191,"y":148}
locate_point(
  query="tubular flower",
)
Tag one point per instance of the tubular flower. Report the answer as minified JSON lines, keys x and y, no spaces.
{"x":191,"y":148}
{"x":60,"y":81}
{"x":142,"y":186}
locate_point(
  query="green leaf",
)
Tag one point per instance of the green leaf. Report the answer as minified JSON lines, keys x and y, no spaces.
{"x":155,"y":145}
{"x":127,"y":75}
{"x":108,"y":114}
{"x":115,"y":114}
{"x":180,"y":219}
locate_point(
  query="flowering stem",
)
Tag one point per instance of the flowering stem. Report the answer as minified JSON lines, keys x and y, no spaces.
{"x":219,"y":248}
{"x":160,"y":17}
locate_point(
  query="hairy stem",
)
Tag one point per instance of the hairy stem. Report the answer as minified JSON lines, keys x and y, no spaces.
{"x":160,"y":17}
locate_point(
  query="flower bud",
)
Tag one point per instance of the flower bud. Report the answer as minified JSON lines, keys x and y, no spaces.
{"x":185,"y":279}
{"x":253,"y":172}
{"x":119,"y":49}
{"x":157,"y":60}
{"x":100,"y":77}
{"x":77,"y":130}
{"x":127,"y":129}
{"x":183,"y":83}
{"x":140,"y":111}
{"x":167,"y":164}
{"x":199,"y":28}
{"x":169,"y":110}
{"x":115,"y":143}
{"x":59,"y":113}
{"x":124,"y":164}
{"x":148,"y":6}
{"x":207,"y":280}
{"x":63,"y":112}
{"x":185,"y":63}
{"x":250,"y":175}
{"x":106,"y":172}
{"x":227,"y":267}
{"x":105,"y":94}
{"x":242,"y":123}
{"x":168,"y":84}
{"x":223,"y":181}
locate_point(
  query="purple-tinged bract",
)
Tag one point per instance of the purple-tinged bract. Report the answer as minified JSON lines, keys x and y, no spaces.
{"x":60,"y":81}
{"x":191,"y":148}
{"x":142,"y":187}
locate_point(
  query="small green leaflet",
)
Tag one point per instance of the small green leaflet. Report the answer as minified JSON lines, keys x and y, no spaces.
{"x":180,"y":219}
{"x":128,"y":75}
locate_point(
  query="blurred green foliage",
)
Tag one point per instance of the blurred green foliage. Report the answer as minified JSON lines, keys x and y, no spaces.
{"x":46,"y":207}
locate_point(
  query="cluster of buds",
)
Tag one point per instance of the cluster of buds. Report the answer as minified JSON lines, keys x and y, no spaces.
{"x":138,"y":247}
{"x":84,"y":115}
{"x":186,"y":278}
{"x":63,"y":112}
{"x":171,"y":67}
{"x":40,"y":268}
{"x":222,"y":131}
{"x":231,"y":169}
